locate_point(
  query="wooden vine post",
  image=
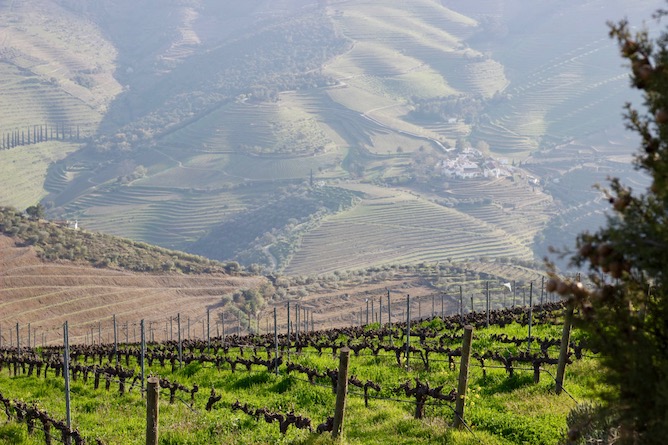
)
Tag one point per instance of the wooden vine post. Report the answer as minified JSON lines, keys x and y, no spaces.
{"x":463,"y":376}
{"x":487,"y":306}
{"x":341,"y":392}
{"x":208,"y":328}
{"x":115,"y":340}
{"x":288,"y":344}
{"x":180,"y":346}
{"x":461,"y":305}
{"x":152,"y":410}
{"x":222,"y":326}
{"x":563,"y":353}
{"x":389,"y":316}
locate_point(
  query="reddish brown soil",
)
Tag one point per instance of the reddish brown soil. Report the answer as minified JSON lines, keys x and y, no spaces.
{"x":46,"y":294}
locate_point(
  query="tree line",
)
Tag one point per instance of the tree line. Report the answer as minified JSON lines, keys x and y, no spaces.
{"x":34,"y":134}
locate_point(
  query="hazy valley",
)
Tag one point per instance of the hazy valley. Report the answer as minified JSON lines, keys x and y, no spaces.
{"x":309,"y":137}
{"x":234,"y":178}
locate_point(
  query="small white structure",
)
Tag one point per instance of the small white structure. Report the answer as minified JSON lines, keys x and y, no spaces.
{"x":471,"y":164}
{"x":73,"y":224}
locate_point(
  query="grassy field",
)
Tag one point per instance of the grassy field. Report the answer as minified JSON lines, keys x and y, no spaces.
{"x":500,"y":410}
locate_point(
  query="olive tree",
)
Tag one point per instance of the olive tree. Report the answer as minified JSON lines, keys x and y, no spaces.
{"x":36,"y":212}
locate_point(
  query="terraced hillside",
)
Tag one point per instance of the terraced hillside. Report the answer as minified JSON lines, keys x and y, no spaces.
{"x":56,"y":68}
{"x":572,"y":170}
{"x":394,"y":227}
{"x":28,"y":170}
{"x":560,"y":87}
{"x":135,"y":209}
{"x":406,"y":51}
{"x":38,"y":295}
{"x":45,"y":294}
{"x":229,"y":106}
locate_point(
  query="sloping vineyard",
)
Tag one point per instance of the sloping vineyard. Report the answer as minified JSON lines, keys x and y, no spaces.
{"x":281,"y":388}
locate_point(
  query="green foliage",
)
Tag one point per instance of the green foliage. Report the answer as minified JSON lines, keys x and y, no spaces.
{"x":54,"y":241}
{"x":252,"y":380}
{"x":522,"y":430}
{"x":495,"y":384}
{"x":191,"y":369}
{"x":12,"y":433}
{"x":249,"y":301}
{"x":178,"y":438}
{"x":372,"y":326}
{"x":280,"y":223}
{"x":36,"y":212}
{"x":626,"y":311}
{"x":435,"y":323}
{"x":285,"y":384}
{"x":525,"y":414}
{"x":439,"y":109}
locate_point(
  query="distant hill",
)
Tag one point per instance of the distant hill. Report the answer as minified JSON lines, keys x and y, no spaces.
{"x":47,"y":277}
{"x":63,"y":240}
{"x":51,"y":273}
{"x":295,"y":133}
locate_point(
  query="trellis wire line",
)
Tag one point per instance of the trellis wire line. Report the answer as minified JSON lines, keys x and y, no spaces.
{"x":185,"y":403}
{"x":40,"y":430}
{"x":355,"y":392}
{"x":112,"y":378}
{"x":541,"y":369}
{"x":437,"y":404}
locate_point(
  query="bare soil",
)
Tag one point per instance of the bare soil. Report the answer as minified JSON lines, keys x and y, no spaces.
{"x":43,"y":295}
{"x":46,"y":294}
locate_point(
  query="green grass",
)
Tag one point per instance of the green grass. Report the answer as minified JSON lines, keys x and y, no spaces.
{"x":500,"y":409}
